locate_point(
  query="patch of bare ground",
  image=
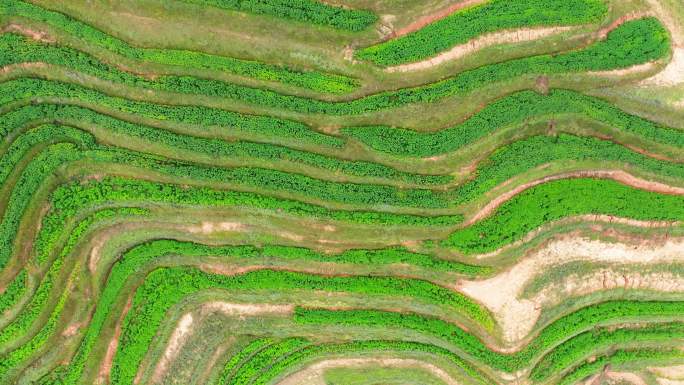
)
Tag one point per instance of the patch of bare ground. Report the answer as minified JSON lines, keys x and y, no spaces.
{"x":619,"y":377}
{"x":313,"y":374}
{"x":31,"y":33}
{"x":517,"y":317}
{"x":178,"y":337}
{"x":617,"y":175}
{"x":673,"y":73}
{"x":106,"y":365}
{"x":479,"y":43}
{"x":675,"y":372}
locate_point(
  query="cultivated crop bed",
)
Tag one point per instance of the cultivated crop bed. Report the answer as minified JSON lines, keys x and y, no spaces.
{"x":341,"y":192}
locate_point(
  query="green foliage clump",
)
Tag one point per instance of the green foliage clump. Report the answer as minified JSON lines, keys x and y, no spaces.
{"x":492,"y":16}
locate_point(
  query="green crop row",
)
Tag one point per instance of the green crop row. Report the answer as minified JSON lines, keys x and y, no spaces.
{"x":317,"y":81}
{"x":84,"y":118}
{"x":507,"y":162}
{"x":492,"y":16}
{"x":560,"y":199}
{"x":164,"y":287}
{"x":634,"y":42}
{"x":14,"y":291}
{"x":242,"y":356}
{"x":572,"y":351}
{"x":256,"y":363}
{"x":26,"y":90}
{"x":512,"y":110}
{"x":308,"y":11}
{"x":21,"y":325}
{"x":134,"y":259}
{"x":570,"y":336}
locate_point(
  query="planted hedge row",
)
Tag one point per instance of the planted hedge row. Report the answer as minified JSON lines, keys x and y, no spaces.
{"x":492,"y":16}
{"x":262,"y":359}
{"x":165,"y":287}
{"x":308,"y":11}
{"x":572,"y":351}
{"x":634,"y":42}
{"x":512,"y":110}
{"x":267,"y":128}
{"x":21,"y":325}
{"x":314,"y":80}
{"x":242,"y":356}
{"x":560,"y":199}
{"x":14,"y":291}
{"x":83,"y":118}
{"x":567,"y":338}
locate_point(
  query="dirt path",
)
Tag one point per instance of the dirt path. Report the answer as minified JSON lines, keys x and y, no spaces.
{"x":431,"y":18}
{"x":518,"y":316}
{"x":32,"y":33}
{"x":313,"y":374}
{"x":106,"y":365}
{"x":617,"y":175}
{"x":479,"y":43}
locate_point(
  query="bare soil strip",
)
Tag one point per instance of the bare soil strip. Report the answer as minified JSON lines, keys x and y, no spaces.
{"x":313,"y":374}
{"x":106,"y":365}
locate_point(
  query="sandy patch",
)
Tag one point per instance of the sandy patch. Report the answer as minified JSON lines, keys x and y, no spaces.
{"x":617,"y":175}
{"x":313,"y":374}
{"x":245,"y":310}
{"x":176,"y":342}
{"x":31,"y":33}
{"x":669,"y":372}
{"x":478,"y":43}
{"x":500,"y":294}
{"x":213,"y":227}
{"x":673,"y":73}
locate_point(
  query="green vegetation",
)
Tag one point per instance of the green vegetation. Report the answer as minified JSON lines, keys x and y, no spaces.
{"x":513,"y":110}
{"x":168,"y":214}
{"x":308,"y":11}
{"x":317,"y":81}
{"x":492,"y":16}
{"x":634,"y":42}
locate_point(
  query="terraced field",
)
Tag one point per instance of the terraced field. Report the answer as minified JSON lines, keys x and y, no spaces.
{"x":342,"y":192}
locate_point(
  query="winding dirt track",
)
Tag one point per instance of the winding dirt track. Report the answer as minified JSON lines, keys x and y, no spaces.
{"x":431,"y":18}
